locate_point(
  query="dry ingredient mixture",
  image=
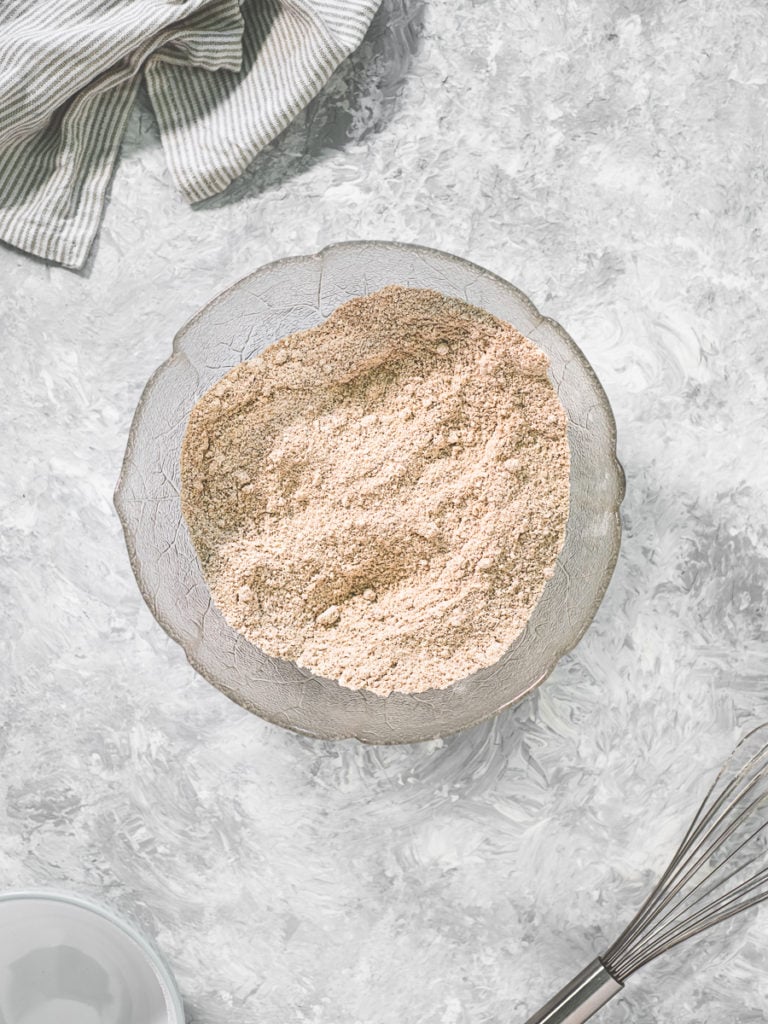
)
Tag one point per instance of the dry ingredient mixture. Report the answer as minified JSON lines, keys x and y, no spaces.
{"x":382,"y":498}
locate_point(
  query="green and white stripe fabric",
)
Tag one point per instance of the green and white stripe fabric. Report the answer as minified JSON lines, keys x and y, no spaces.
{"x":224,"y":77}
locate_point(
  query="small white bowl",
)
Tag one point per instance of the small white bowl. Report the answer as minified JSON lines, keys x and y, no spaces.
{"x":64,"y":960}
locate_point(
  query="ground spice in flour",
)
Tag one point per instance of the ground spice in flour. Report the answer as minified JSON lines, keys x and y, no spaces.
{"x":382,"y":498}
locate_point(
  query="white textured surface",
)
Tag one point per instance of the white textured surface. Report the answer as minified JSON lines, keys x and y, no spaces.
{"x":611,"y":161}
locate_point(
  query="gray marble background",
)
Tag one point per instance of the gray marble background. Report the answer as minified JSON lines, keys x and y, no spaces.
{"x":610,"y":159}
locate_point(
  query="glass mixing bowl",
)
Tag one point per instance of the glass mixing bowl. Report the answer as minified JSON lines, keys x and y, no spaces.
{"x":292,"y":295}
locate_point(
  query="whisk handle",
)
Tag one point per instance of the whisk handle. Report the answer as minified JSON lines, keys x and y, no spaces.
{"x":580,"y":998}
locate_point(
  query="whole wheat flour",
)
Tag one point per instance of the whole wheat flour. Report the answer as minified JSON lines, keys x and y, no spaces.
{"x":382,"y":498}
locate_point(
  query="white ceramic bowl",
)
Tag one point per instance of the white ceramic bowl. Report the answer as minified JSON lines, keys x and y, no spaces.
{"x":64,"y":960}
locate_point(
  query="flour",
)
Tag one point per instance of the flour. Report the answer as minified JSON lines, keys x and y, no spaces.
{"x":382,"y":498}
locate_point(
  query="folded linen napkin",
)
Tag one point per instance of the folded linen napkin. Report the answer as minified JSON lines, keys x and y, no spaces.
{"x":224,"y":78}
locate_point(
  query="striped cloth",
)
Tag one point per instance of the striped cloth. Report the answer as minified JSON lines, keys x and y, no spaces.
{"x":224,"y":77}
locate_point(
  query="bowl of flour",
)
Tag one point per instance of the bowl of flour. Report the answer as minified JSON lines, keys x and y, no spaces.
{"x":373,"y":493}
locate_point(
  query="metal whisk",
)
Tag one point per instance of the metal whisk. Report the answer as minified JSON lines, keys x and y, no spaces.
{"x":720,"y":869}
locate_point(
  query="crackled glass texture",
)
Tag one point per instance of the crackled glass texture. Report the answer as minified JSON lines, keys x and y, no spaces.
{"x":292,"y":295}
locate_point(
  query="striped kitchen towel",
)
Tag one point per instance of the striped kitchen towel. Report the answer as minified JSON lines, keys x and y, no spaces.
{"x":224,"y":77}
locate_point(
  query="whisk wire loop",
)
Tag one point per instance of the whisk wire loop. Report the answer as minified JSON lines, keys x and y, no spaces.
{"x":696,"y":891}
{"x":720,"y":869}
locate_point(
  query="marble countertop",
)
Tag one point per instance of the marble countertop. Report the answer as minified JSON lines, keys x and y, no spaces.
{"x":608,"y":159}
